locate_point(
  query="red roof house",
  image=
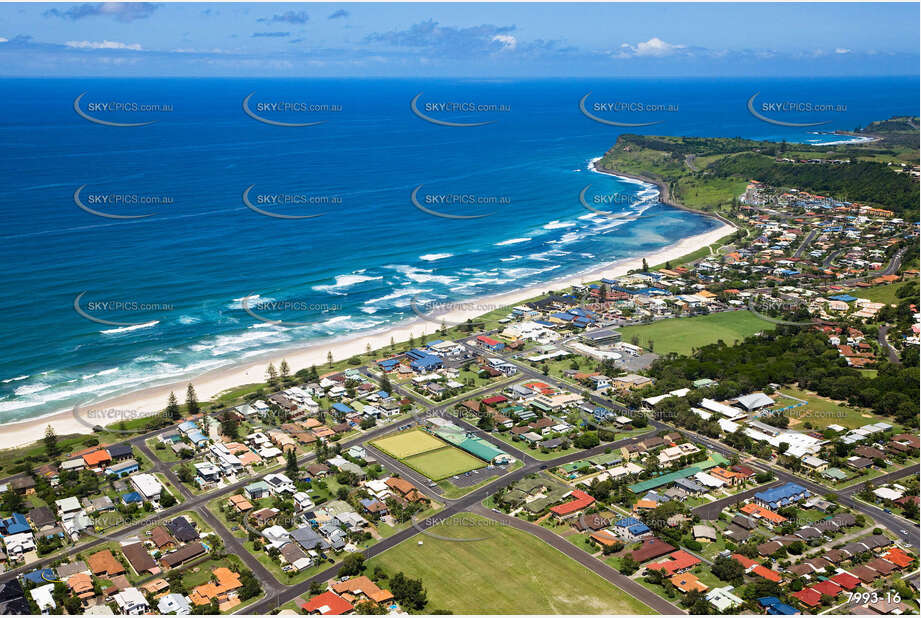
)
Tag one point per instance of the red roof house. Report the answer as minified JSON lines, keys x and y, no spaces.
{"x":846,"y":581}
{"x":327,"y":604}
{"x":827,"y":587}
{"x":808,"y":596}
{"x":580,"y":501}
{"x":677,"y":562}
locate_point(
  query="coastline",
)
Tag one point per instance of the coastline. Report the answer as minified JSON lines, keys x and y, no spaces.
{"x":665,"y":195}
{"x":210,"y":384}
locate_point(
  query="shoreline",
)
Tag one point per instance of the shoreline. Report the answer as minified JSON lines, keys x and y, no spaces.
{"x":665,"y":196}
{"x":152,"y":400}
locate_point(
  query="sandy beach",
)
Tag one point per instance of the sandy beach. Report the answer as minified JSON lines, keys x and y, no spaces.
{"x":212,"y":383}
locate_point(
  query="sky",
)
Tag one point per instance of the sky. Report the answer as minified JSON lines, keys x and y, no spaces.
{"x":525,"y":40}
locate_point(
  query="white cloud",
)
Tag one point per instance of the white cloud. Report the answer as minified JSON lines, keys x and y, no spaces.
{"x":103,"y":45}
{"x":654,"y":47}
{"x":3,"y":39}
{"x":508,"y":41}
{"x":842,"y":50}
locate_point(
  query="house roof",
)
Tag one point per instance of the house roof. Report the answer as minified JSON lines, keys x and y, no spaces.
{"x":362,"y":585}
{"x":808,"y":596}
{"x":846,"y":581}
{"x":580,"y":500}
{"x":104,"y":563}
{"x":327,"y":604}
{"x":827,"y":587}
{"x":186,"y":552}
{"x":650,"y":549}
{"x":161,"y":537}
{"x":97,"y":457}
{"x":898,"y":557}
{"x":137,"y":556}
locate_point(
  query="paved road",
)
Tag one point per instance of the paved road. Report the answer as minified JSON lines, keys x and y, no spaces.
{"x":711,"y":510}
{"x":882,"y":337}
{"x":806,"y":241}
{"x":831,"y":257}
{"x":233,"y":545}
{"x":909,"y":534}
{"x":192,"y":503}
{"x":455,"y":506}
{"x":631,"y":587}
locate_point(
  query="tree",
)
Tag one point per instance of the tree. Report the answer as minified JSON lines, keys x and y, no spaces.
{"x":174,"y":579}
{"x":628,"y":566}
{"x":291,"y":464}
{"x":185,"y":473}
{"x":191,"y":400}
{"x":167,"y":499}
{"x":645,"y":265}
{"x":329,"y":358}
{"x":230,"y":426}
{"x":352,"y":565}
{"x":173,"y":412}
{"x":728,"y":569}
{"x":51,"y":442}
{"x":271,"y":374}
{"x":409,"y":593}
{"x":251,"y":586}
{"x":369,"y":608}
{"x":11,"y":501}
{"x":284,"y":370}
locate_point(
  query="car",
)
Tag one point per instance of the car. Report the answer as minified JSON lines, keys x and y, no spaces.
{"x":887,"y":511}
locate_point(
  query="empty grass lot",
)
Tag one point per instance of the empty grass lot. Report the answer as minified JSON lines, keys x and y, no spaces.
{"x":408,"y":444}
{"x":681,"y":335}
{"x":821,"y":412}
{"x":443,"y":463}
{"x":510,"y":572}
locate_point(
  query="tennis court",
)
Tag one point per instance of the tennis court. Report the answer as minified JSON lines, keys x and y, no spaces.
{"x":408,"y":444}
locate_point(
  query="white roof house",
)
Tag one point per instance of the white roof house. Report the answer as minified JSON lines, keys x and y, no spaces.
{"x":708,"y":480}
{"x":276,"y":536}
{"x":130,"y":601}
{"x":18,"y":544}
{"x":887,"y":493}
{"x":68,"y":505}
{"x":42,"y":595}
{"x":147,"y":485}
{"x":174,"y":604}
{"x":723,"y":599}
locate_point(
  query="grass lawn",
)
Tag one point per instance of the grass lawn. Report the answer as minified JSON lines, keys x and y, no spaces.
{"x":509,"y":572}
{"x":821,"y":412}
{"x":164,"y":454}
{"x":443,"y":463}
{"x":681,"y":335}
{"x":881,"y":293}
{"x":408,"y":443}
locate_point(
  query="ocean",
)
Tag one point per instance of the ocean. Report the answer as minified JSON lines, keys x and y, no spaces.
{"x":98,"y":306}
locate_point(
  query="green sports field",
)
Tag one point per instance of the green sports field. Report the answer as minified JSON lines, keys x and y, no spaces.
{"x":408,"y":444}
{"x":443,"y":463}
{"x":681,"y":335}
{"x":509,"y":572}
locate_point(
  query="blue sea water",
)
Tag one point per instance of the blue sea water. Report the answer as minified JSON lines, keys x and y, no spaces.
{"x":360,"y":265}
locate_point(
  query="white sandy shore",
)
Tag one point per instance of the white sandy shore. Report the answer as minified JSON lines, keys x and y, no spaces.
{"x":207,"y":385}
